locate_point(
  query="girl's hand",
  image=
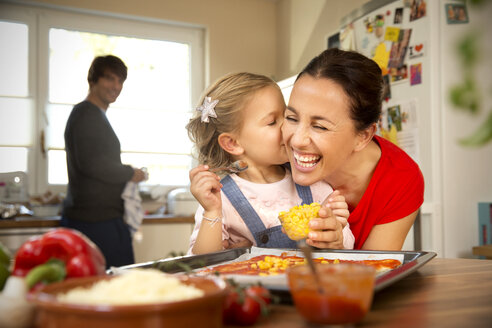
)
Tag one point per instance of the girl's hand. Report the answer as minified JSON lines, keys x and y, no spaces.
{"x":205,"y":187}
{"x":326,"y":230}
{"x":338,"y":206}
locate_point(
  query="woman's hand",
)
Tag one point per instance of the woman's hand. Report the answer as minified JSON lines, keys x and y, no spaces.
{"x":205,"y":187}
{"x":326,"y":230}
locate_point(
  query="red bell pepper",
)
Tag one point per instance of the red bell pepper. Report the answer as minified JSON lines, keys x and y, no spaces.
{"x":79,"y":254}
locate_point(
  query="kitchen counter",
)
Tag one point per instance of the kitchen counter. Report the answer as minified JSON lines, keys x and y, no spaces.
{"x":161,"y":234}
{"x":54,"y":221}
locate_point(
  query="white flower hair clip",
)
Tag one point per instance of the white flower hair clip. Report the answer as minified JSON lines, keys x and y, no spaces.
{"x":207,"y":109}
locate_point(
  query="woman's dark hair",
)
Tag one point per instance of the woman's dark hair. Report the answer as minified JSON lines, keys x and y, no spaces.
{"x":101,"y":64}
{"x":359,"y":76}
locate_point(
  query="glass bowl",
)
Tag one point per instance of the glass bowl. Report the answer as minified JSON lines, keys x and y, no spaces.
{"x":345,"y":295}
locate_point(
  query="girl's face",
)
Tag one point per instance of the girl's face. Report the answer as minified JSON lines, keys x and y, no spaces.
{"x":318,"y":132}
{"x":260,"y":135}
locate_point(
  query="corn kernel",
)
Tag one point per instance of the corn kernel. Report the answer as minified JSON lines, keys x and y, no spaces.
{"x":295,"y":221}
{"x":264,"y":265}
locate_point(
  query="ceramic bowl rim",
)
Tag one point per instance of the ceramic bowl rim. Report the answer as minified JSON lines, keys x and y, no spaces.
{"x":45,"y":299}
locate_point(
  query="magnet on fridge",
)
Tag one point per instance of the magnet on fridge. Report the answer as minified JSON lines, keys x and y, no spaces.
{"x":368,"y":23}
{"x":379,"y":23}
{"x":395,"y":117}
{"x":386,"y":87}
{"x":398,"y":74}
{"x":399,"y":49}
{"x":392,"y":34}
{"x":416,"y":74}
{"x":418,"y":9}
{"x":416,"y":50}
{"x":398,"y":16}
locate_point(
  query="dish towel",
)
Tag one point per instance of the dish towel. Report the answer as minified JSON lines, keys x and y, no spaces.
{"x":133,"y":215}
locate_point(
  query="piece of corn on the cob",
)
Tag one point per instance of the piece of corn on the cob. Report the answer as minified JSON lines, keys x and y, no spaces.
{"x":295,"y":221}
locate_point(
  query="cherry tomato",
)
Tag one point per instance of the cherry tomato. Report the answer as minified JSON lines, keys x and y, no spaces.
{"x":243,"y":306}
{"x":259,"y":292}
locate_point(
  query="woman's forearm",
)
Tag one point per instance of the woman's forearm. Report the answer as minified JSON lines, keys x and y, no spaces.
{"x":390,"y":236}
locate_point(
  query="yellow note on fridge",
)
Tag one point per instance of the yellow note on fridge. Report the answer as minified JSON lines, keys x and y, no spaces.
{"x":392,"y":34}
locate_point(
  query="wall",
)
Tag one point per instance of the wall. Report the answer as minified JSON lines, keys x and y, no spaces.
{"x":272,"y":37}
{"x":240,"y":35}
{"x":466,"y":172}
{"x":303,"y":28}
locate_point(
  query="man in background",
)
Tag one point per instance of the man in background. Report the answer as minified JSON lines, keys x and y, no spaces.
{"x":95,"y":173}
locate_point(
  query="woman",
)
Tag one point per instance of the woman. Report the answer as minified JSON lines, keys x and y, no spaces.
{"x":329,"y":131}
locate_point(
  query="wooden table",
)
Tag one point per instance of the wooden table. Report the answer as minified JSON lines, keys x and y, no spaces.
{"x":442,"y":293}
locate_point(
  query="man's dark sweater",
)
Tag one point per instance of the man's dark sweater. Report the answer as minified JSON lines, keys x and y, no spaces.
{"x":95,"y":172}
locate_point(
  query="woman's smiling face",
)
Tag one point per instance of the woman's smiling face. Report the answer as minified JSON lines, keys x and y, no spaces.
{"x":318,"y":132}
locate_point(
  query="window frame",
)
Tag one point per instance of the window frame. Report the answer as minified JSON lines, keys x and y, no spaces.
{"x":41,"y":19}
{"x":27,"y":16}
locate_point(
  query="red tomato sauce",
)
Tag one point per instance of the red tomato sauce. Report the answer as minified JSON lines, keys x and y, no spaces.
{"x":328,"y":309}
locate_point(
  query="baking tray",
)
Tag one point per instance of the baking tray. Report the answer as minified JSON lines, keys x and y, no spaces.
{"x":411,"y":262}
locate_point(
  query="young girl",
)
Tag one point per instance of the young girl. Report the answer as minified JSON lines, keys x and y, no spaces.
{"x":240,"y":119}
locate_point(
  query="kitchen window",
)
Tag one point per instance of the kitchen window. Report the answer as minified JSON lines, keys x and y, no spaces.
{"x":15,"y":105}
{"x":49,"y":54}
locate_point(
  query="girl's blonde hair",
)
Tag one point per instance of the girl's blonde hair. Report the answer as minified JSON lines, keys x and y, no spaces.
{"x":233,"y":91}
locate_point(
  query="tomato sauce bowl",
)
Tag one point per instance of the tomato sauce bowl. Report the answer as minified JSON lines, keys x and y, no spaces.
{"x":343,"y":296}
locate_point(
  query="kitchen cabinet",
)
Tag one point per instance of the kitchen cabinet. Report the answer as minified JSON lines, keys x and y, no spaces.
{"x":160,"y":240}
{"x":13,"y":238}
